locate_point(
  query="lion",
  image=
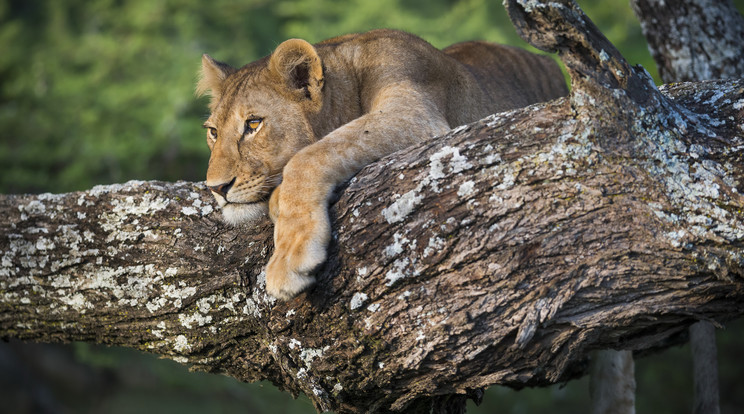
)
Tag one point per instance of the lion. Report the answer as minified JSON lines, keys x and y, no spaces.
{"x":286,"y":129}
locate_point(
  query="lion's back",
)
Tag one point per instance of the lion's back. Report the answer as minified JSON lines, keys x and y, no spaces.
{"x":466,"y":80}
{"x":512,"y":77}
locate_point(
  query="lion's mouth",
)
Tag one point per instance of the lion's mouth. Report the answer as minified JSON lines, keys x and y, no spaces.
{"x":242,"y":203}
{"x":224,"y":202}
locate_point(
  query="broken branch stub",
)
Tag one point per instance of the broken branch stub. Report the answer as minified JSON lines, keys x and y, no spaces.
{"x":631,"y":118}
{"x":562,"y":27}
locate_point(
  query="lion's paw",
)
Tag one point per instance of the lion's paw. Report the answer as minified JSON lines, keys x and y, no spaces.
{"x":300,"y":247}
{"x":285,"y":284}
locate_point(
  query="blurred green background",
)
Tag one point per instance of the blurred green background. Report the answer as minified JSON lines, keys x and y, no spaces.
{"x":101,"y":91}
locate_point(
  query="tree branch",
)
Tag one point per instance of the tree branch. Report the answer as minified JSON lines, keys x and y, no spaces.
{"x":500,"y":253}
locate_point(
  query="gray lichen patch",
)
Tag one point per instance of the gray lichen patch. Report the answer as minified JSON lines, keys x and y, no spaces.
{"x":692,"y":181}
{"x":446,"y":161}
{"x":121,"y":220}
{"x":402,"y":206}
{"x":71,"y":250}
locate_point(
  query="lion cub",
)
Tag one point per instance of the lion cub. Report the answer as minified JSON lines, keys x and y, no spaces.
{"x":286,"y":129}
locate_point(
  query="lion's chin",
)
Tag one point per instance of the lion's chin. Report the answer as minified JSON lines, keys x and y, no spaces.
{"x":236,"y":214}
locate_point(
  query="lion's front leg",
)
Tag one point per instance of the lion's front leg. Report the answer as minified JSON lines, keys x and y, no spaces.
{"x":300,"y":247}
{"x":301,"y":235}
{"x":299,"y":206}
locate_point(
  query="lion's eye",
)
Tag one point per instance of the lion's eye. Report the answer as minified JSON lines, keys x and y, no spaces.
{"x":212,"y":133}
{"x":252,"y":125}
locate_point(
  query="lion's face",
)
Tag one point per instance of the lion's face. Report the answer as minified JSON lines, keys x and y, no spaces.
{"x":252,"y":138}
{"x":259,"y":120}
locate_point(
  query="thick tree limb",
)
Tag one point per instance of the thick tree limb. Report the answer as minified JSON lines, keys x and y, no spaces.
{"x":499,"y":254}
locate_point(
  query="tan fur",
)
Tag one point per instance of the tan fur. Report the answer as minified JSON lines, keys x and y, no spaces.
{"x":330,"y":109}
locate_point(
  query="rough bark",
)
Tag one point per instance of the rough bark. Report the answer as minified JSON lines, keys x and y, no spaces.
{"x":693,"y":40}
{"x":696,"y":40}
{"x":501,"y":253}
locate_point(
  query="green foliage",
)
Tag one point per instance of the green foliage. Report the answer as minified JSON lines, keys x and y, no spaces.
{"x":102,"y":91}
{"x":441,"y":23}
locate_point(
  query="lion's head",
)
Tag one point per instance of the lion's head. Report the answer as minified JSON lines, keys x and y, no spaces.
{"x":259,"y":120}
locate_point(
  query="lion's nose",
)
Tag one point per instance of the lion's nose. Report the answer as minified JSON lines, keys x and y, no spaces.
{"x":222,"y":189}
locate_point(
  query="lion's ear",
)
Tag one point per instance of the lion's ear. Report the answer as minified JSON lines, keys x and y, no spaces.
{"x":213,"y":75}
{"x":298,"y":64}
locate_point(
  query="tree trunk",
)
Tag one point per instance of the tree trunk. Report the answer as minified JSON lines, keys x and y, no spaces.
{"x":612,"y":386}
{"x":501,"y":253}
{"x":705,"y":368}
{"x":693,"y":40}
